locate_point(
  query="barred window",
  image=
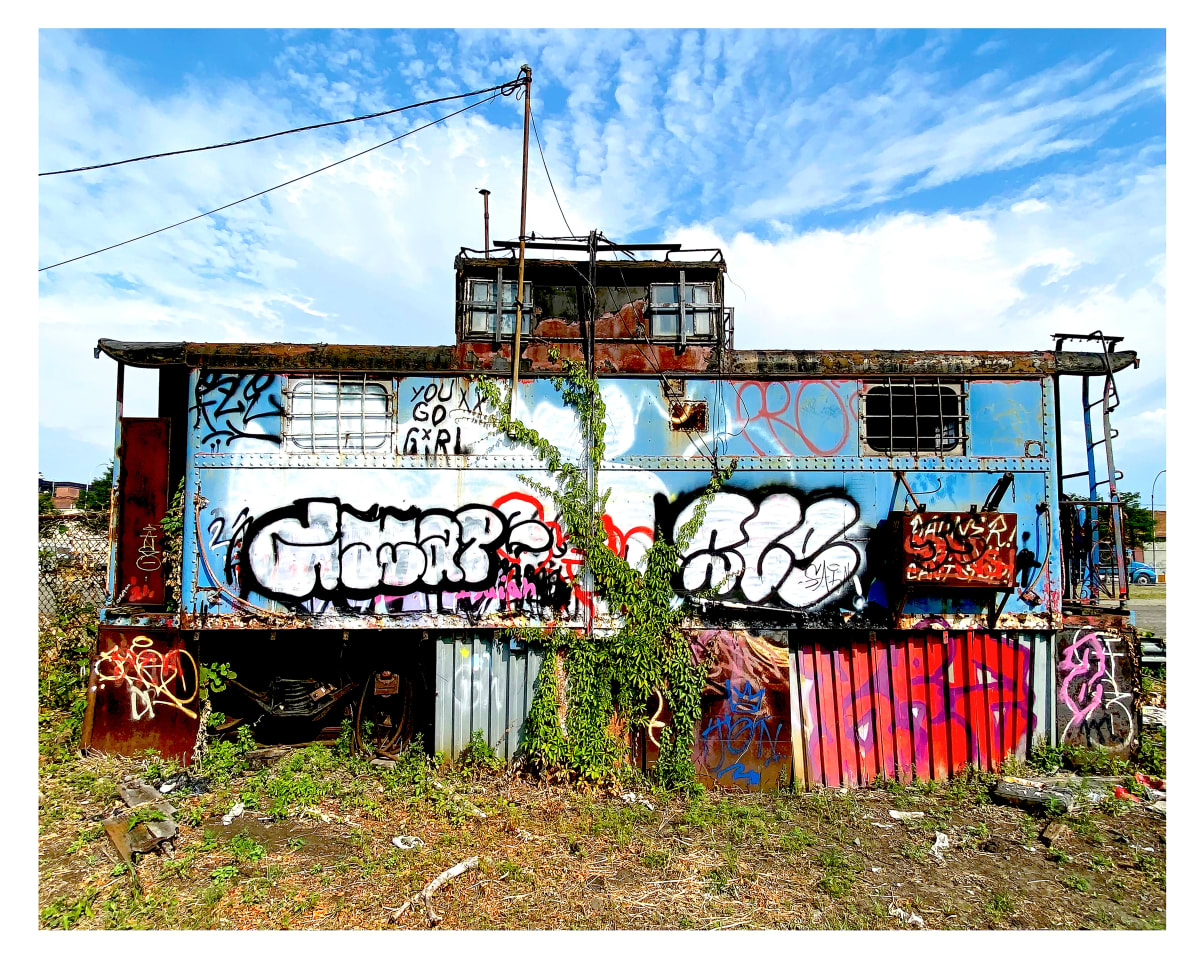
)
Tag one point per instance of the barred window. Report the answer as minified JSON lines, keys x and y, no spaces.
{"x":908,"y":417}
{"x":345,"y":413}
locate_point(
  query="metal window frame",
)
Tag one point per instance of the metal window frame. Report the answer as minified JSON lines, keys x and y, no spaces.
{"x":496,"y":305}
{"x":301,"y":442}
{"x":681,"y":308}
{"x":931,"y":444}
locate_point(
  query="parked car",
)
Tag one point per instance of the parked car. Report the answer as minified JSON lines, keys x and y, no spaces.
{"x":1142,"y":573}
{"x":1135,"y":570}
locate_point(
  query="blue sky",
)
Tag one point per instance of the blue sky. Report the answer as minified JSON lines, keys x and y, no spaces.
{"x":928,"y":189}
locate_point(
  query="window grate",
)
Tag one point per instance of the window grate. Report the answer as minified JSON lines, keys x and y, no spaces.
{"x":344,"y":414}
{"x":909,"y":416}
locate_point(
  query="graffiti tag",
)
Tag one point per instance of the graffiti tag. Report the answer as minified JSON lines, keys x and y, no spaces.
{"x":961,"y":548}
{"x":770,"y":547}
{"x":230,"y":406}
{"x":151,"y":676}
{"x":149,"y":555}
{"x":1096,"y":707}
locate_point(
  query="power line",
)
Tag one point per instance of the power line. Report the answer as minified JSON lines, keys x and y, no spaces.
{"x":267,"y":136}
{"x":260,"y":193}
{"x":547,"y":169}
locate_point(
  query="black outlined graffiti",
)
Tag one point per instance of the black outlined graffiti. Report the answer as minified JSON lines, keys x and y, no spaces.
{"x":226,"y":404}
{"x":319,"y":549}
{"x":767,"y":546}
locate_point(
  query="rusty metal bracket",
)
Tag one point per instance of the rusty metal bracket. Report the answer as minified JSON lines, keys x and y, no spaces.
{"x":904,"y":480}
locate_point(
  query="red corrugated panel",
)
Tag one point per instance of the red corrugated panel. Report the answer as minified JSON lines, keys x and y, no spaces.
{"x":919,"y":701}
{"x":809,"y":711}
{"x":1008,"y":713}
{"x":901,"y":711}
{"x":881,"y":699}
{"x":845,"y":716}
{"x":864,"y":724}
{"x":828,"y":722}
{"x":910,"y":706}
{"x":977,"y":694}
{"x":939,"y":721}
{"x":956,"y":674}
{"x":991,"y":649}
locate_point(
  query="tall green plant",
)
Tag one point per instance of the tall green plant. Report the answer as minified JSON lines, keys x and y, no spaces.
{"x":613,"y":672}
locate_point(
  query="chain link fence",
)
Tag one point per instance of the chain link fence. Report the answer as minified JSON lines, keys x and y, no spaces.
{"x":72,"y":566}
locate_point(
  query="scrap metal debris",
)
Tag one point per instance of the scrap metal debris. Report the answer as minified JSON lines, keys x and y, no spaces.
{"x":145,"y":826}
{"x":185,"y":785}
{"x":1054,"y":832}
{"x":1154,"y":716}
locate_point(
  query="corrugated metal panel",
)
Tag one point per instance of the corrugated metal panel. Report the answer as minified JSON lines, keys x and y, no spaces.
{"x":483,"y":685}
{"x":916,"y":705}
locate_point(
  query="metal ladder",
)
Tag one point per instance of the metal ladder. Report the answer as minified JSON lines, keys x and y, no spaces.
{"x":1087,"y":584}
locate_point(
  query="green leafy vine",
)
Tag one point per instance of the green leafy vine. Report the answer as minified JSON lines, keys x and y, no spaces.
{"x":613,"y":674}
{"x":172,"y":527}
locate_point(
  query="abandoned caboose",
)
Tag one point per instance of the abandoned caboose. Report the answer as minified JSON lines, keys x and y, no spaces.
{"x":895,"y":580}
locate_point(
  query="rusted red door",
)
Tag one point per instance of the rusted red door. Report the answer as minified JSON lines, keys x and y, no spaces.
{"x":142,"y":500}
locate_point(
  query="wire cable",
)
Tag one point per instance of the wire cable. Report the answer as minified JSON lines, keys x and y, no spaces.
{"x":547,"y":169}
{"x":278,"y":186}
{"x":267,"y":136}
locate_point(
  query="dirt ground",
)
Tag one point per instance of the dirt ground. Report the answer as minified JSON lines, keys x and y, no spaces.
{"x":314,"y":850}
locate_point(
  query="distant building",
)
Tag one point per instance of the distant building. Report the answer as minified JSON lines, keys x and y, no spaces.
{"x":66,"y":493}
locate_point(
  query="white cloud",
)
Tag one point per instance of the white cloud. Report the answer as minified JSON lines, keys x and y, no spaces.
{"x":988,"y":279}
{"x":362,"y":253}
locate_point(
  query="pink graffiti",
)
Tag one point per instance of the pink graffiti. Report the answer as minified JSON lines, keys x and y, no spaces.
{"x":783,"y":418}
{"x":1085,"y":657}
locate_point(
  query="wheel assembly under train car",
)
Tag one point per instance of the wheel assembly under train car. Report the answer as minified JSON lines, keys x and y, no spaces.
{"x":387,"y":717}
{"x":327,"y":684}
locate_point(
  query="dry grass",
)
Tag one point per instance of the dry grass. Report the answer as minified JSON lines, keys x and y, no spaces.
{"x":573,"y":857}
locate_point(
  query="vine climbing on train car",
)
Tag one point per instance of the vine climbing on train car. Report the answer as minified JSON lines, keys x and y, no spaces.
{"x":609,"y":673}
{"x":172,"y":531}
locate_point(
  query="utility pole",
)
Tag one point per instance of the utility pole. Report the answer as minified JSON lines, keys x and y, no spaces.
{"x":527,"y":72}
{"x":1154,"y":527}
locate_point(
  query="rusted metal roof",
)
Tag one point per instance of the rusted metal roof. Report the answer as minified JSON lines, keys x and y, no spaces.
{"x":285,"y":357}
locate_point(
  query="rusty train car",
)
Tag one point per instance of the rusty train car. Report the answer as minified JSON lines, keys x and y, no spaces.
{"x":889,"y":584}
